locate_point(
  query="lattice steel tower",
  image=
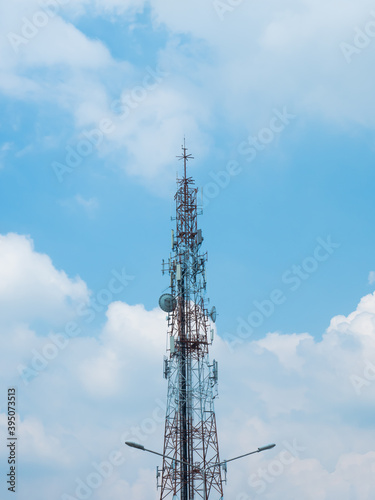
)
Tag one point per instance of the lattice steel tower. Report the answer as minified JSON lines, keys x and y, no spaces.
{"x":190,"y":426}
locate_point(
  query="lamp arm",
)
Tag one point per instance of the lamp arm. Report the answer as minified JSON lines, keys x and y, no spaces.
{"x":168,"y":457}
{"x":241,"y":456}
{"x":231,"y":460}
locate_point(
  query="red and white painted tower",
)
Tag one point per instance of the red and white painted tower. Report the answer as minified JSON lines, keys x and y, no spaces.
{"x":192,"y":469}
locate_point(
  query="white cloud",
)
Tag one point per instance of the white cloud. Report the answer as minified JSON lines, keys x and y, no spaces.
{"x":285,"y":349}
{"x":103,"y":389}
{"x":38,"y":47}
{"x":371,"y":277}
{"x":153,"y":132}
{"x":61,"y":43}
{"x":130,"y":335}
{"x":31,"y":288}
{"x":36,"y":443}
{"x":227,"y":68}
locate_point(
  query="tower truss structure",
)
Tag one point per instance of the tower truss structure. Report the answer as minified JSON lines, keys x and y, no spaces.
{"x":190,"y":437}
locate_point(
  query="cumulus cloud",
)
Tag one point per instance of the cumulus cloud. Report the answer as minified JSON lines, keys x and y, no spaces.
{"x":38,"y":38}
{"x":31,"y":288}
{"x":314,"y":398}
{"x":159,"y":122}
{"x":309,"y":392}
{"x":240,"y":64}
{"x":261,"y":48}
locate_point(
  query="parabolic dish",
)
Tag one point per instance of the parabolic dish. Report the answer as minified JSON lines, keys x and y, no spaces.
{"x":167,"y":302}
{"x":213,"y":314}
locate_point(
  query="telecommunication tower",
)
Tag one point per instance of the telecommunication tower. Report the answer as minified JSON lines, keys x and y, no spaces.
{"x":191,"y":465}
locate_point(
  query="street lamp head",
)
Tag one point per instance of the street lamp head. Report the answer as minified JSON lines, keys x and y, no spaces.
{"x":135,"y":445}
{"x":267,"y":447}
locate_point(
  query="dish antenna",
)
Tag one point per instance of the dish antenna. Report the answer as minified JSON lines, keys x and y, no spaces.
{"x":167,"y":302}
{"x":213,"y":314}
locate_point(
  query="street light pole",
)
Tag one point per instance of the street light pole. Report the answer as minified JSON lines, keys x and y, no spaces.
{"x":261,"y":448}
{"x":141,"y":447}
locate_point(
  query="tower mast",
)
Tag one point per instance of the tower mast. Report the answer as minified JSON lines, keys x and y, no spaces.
{"x":190,"y":436}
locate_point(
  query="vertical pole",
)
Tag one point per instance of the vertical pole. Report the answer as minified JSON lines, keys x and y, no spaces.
{"x":190,"y":428}
{"x":183,"y":395}
{"x":183,"y":332}
{"x":204,"y":484}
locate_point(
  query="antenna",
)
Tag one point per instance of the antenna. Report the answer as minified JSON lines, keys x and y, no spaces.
{"x":191,"y":463}
{"x":191,"y":468}
{"x":186,"y":157}
{"x":213,"y":314}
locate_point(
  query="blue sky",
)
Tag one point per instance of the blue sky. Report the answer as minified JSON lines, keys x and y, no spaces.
{"x":276,"y":104}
